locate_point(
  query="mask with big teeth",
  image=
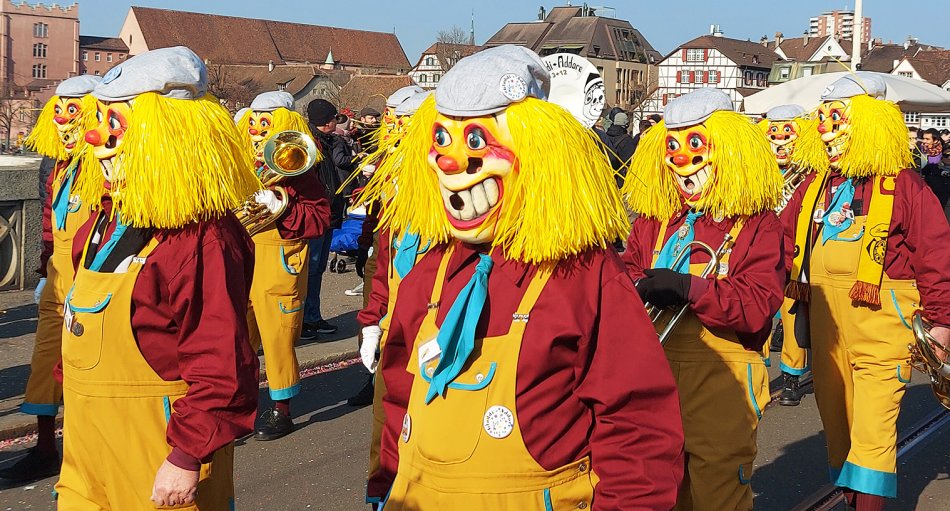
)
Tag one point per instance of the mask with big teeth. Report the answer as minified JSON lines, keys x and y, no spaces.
{"x":473,"y":159}
{"x":112,"y":121}
{"x":68,"y":113}
{"x":782,"y":136}
{"x":689,"y":157}
{"x":834,"y":128}
{"x":259,"y":130}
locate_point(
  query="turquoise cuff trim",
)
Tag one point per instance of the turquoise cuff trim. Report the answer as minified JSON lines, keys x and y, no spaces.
{"x":373,"y":500}
{"x":289,"y":311}
{"x":833,"y":473}
{"x":382,"y":505}
{"x":742,"y":479}
{"x":231,"y":505}
{"x":283,"y":261}
{"x":866,"y":480}
{"x":755,"y":405}
{"x":767,"y":361}
{"x":792,"y":370}
{"x":469,"y":386}
{"x":89,"y":310}
{"x":548,"y":505}
{"x":901,"y":378}
{"x":287,"y":393}
{"x":39,"y":409}
{"x":898,"y":308}
{"x":55,"y":494}
{"x":168,"y":408}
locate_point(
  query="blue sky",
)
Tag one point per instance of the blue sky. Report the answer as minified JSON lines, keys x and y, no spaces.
{"x":665,"y":24}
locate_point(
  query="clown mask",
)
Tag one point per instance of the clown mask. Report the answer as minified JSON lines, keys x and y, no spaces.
{"x":68,"y":113}
{"x":689,"y":156}
{"x":782,"y":136}
{"x":834,"y":128}
{"x":259,"y":130}
{"x":112,"y":121}
{"x":473,"y":159}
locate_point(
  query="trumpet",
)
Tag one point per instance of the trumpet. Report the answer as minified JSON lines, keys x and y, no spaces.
{"x":793,"y":179}
{"x":923,"y":357}
{"x":286,"y":154}
{"x":715,"y":257}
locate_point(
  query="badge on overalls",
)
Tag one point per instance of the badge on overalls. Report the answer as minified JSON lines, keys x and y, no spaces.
{"x":406,"y":428}
{"x":499,"y":421}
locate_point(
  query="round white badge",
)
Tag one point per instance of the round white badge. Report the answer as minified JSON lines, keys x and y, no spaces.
{"x":828,"y":90}
{"x":406,"y":428}
{"x":514,"y":87}
{"x":499,"y":421}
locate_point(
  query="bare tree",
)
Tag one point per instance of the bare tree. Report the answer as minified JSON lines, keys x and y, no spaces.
{"x":454,"y":43}
{"x":233,"y":91}
{"x":641,"y":92}
{"x":17,"y":110}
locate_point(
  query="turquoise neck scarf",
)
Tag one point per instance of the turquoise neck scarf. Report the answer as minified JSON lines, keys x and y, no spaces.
{"x":837,"y":218}
{"x":61,"y":201}
{"x":456,"y":338}
{"x":677,"y":242}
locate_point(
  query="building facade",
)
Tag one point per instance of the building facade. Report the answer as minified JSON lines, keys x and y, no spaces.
{"x":838,"y":24}
{"x":738,"y":68}
{"x":625,"y":59}
{"x":98,"y":54}
{"x":436,"y":60}
{"x":806,"y":56}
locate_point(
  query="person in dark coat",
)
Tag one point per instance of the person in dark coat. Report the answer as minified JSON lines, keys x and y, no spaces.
{"x":621,"y":146}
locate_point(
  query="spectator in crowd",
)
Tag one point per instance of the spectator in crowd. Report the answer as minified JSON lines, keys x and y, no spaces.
{"x":931,"y":165}
{"x":621,"y":146}
{"x":336,"y":166}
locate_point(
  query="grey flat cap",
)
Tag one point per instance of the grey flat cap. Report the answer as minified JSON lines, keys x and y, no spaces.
{"x":396,"y":98}
{"x":172,"y":72}
{"x":490,"y":80}
{"x":695,"y":107}
{"x":77,"y":86}
{"x":409,"y":106}
{"x":239,"y":114}
{"x":851,"y":85}
{"x":785,"y":113}
{"x":270,"y":101}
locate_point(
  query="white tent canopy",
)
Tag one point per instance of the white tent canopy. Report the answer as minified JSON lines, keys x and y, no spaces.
{"x":910,"y":95}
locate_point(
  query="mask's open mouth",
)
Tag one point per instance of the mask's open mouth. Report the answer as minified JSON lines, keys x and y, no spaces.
{"x":835,"y":148}
{"x":470,"y":207}
{"x":108,"y":170}
{"x":693,"y":185}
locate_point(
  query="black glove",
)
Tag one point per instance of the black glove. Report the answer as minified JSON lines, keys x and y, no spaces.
{"x":361,"y":256}
{"x":664,"y":288}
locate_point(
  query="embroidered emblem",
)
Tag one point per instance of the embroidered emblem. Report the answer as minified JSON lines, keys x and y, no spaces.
{"x":520,"y":317}
{"x":499,"y":422}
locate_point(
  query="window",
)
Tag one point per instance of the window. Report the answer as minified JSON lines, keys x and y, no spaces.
{"x":435,"y":77}
{"x":97,"y":72}
{"x":85,"y":56}
{"x":695,"y":55}
{"x":108,"y":57}
{"x":941,"y":122}
{"x":423,"y":78}
{"x":39,"y":70}
{"x":911,"y":117}
{"x":98,"y":57}
{"x":39,"y":50}
{"x":40,"y":30}
{"x":714,"y":76}
{"x":121,"y":56}
{"x":430,"y":61}
{"x":905,"y":74}
{"x":808,"y":71}
{"x":784,"y":72}
{"x":682,"y":76}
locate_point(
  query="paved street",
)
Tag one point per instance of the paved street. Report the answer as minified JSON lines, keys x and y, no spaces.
{"x":323,"y":464}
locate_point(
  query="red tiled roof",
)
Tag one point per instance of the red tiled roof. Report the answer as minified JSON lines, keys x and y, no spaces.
{"x":233,"y":40}
{"x":370,"y":91}
{"x":454,"y":51}
{"x":932,"y":65}
{"x":743,"y":53}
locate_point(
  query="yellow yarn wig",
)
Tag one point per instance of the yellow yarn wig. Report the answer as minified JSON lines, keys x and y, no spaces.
{"x":560,"y":200}
{"x":877,"y":139}
{"x":746,"y":179}
{"x":284,"y":119}
{"x":44,"y":137}
{"x":809,"y":151}
{"x":180,"y":161}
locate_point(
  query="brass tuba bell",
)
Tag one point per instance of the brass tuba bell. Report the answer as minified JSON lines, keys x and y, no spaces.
{"x":923,"y":357}
{"x":286,"y":154}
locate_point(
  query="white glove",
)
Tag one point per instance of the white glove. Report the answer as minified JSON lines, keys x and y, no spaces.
{"x":268,"y":199}
{"x":39,"y":290}
{"x":368,"y":170}
{"x":371,"y":335}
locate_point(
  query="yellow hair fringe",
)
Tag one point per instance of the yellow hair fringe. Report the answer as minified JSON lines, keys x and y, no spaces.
{"x":44,"y":137}
{"x":563,"y":201}
{"x":808,"y":151}
{"x":746,"y":179}
{"x":877,"y":143}
{"x":180,"y":161}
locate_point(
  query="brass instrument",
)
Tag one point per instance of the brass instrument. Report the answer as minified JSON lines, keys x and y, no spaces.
{"x":715,"y":256}
{"x":286,"y":154}
{"x":923,"y":357}
{"x":794,"y":178}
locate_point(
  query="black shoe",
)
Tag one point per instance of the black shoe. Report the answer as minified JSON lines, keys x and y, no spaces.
{"x":321,"y":327}
{"x":791,"y":393}
{"x":364,"y":396}
{"x":307,"y":332}
{"x":275,"y":425}
{"x":36,"y":465}
{"x":778,"y":337}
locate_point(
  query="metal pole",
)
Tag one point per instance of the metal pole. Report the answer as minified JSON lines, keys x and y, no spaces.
{"x":858,"y":35}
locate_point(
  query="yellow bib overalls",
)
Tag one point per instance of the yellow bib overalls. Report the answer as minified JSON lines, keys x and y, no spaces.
{"x":860,"y":365}
{"x":465,"y":451}
{"x":794,"y":357}
{"x":116,"y":406}
{"x":43,"y":393}
{"x":275,"y":310}
{"x":723,"y":389}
